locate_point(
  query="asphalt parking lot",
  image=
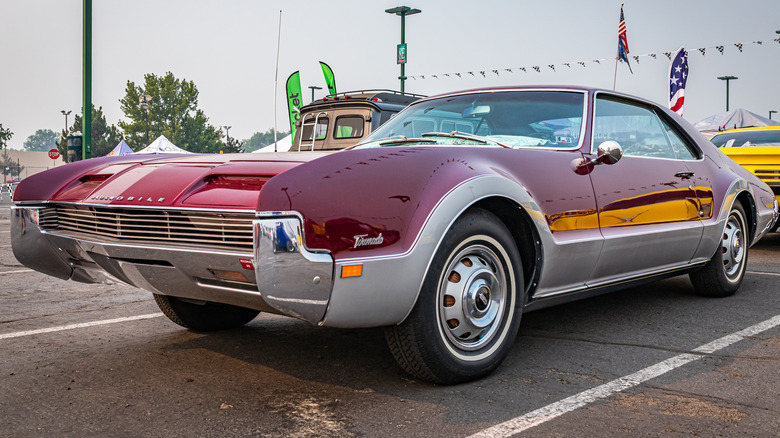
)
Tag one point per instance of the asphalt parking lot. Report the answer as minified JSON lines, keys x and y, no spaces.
{"x":657,"y":360}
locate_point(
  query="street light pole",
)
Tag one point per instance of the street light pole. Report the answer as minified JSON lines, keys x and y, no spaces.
{"x":770,"y":113}
{"x":143,"y":103}
{"x":314,"y":87}
{"x":227,"y":132}
{"x":65,"y":113}
{"x":402,"y":11}
{"x":727,"y":79}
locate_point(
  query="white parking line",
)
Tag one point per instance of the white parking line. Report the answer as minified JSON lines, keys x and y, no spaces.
{"x":764,"y":273}
{"x":547,"y":413}
{"x":76,"y":326}
{"x":15,"y":272}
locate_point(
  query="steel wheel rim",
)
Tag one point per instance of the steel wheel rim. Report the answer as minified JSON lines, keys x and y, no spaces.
{"x":472,"y":297}
{"x":733,"y":247}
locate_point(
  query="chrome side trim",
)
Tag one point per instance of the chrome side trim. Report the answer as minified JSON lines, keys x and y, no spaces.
{"x":291,"y":278}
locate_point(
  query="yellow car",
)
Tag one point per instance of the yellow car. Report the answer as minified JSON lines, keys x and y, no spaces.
{"x":757,"y":150}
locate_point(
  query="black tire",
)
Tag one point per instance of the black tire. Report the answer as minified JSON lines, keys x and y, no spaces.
{"x":723,"y":274}
{"x":205,"y":316}
{"x":469,"y":309}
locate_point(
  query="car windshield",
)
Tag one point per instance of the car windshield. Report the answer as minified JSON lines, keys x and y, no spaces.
{"x":769,"y":137}
{"x":510,"y":119}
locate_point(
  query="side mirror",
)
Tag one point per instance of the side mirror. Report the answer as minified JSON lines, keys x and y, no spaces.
{"x":608,"y":152}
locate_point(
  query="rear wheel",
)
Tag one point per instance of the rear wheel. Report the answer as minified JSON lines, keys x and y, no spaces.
{"x":468,"y":312}
{"x":204,"y":316}
{"x":723,"y":274}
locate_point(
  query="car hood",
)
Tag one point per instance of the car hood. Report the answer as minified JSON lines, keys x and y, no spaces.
{"x":172,"y":181}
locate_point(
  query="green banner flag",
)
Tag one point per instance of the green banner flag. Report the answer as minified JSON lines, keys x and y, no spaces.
{"x":294,"y":100}
{"x":330,"y":79}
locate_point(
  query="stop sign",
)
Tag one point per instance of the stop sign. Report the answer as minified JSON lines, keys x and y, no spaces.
{"x":54,"y":154}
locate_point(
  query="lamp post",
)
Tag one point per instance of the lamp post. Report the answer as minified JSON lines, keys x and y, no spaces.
{"x":227,"y":133}
{"x":144,"y":103}
{"x":403,"y":11}
{"x":314,"y":87}
{"x":727,"y":79}
{"x":65,"y":113}
{"x":770,"y":113}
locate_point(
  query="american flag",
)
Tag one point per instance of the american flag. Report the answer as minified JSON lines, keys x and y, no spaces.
{"x":623,"y":40}
{"x":678,"y":76}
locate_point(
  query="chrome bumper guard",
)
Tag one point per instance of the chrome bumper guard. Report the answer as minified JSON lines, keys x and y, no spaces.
{"x":292,"y":279}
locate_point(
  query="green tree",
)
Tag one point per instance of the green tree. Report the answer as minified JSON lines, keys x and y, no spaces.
{"x":165,"y":105}
{"x":42,"y":140}
{"x":233,"y":146}
{"x":5,"y":135}
{"x":261,"y":139}
{"x":11,"y":167}
{"x":105,"y":137}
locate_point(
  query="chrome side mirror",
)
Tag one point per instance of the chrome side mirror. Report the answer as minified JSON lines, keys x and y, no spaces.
{"x":609,"y":152}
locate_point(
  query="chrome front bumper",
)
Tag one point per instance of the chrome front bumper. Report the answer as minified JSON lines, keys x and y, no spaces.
{"x":291,"y":278}
{"x":197,"y":274}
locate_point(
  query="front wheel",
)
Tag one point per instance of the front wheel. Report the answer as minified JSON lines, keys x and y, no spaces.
{"x":204,"y":316}
{"x":723,"y":274}
{"x":469,"y":309}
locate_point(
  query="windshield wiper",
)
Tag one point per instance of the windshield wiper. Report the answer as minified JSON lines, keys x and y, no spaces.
{"x":461,"y":135}
{"x":403,"y":139}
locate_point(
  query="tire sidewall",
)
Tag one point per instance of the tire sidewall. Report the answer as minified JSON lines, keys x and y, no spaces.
{"x":736,"y":281}
{"x":478,"y":227}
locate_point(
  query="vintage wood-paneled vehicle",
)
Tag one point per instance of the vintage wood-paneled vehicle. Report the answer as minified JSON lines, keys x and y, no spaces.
{"x":444,"y":225}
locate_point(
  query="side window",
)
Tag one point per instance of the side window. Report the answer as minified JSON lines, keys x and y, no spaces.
{"x":637,"y":129}
{"x":322,"y":128}
{"x":682,"y":149}
{"x":349,"y":127}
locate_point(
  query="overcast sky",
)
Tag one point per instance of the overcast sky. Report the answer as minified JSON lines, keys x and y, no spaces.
{"x":228,"y":48}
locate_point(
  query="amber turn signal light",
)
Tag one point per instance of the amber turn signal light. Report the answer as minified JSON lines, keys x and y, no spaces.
{"x":351,"y":271}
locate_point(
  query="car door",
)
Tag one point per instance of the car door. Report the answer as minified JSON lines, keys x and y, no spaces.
{"x":648,"y":209}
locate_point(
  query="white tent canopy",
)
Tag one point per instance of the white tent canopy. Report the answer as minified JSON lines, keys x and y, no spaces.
{"x":282,"y":145}
{"x":736,"y":118}
{"x":162,"y":146}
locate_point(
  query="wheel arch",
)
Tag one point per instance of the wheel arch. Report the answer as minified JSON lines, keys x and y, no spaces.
{"x":525,"y":235}
{"x":749,"y":206}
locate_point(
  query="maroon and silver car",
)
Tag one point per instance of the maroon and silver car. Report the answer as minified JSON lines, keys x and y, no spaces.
{"x":444,"y":225}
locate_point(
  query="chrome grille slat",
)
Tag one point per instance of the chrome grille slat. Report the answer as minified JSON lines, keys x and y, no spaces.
{"x":177,"y":227}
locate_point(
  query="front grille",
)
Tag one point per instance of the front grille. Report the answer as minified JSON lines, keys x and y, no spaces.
{"x":190,"y":229}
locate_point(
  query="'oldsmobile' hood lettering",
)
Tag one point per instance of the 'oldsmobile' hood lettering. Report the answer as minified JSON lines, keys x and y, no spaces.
{"x":363,"y":240}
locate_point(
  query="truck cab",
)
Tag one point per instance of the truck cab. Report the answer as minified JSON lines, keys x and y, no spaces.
{"x":344,"y":119}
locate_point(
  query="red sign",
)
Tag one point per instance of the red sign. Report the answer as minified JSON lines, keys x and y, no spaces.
{"x":54,"y":154}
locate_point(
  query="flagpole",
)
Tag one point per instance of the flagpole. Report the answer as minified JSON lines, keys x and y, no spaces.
{"x":276,"y":76}
{"x":614,"y":80}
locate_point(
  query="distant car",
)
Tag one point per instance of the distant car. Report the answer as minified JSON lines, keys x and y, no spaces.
{"x":757,"y":150}
{"x":444,"y":225}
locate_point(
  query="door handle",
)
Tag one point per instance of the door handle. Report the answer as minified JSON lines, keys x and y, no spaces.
{"x":687,"y":174}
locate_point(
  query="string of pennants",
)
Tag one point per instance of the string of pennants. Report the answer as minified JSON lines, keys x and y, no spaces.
{"x":538,"y":68}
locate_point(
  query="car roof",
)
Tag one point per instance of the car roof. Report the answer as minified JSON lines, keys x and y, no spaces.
{"x":751,"y":128}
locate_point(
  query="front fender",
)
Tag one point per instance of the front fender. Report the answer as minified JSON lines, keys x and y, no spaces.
{"x":391,"y":284}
